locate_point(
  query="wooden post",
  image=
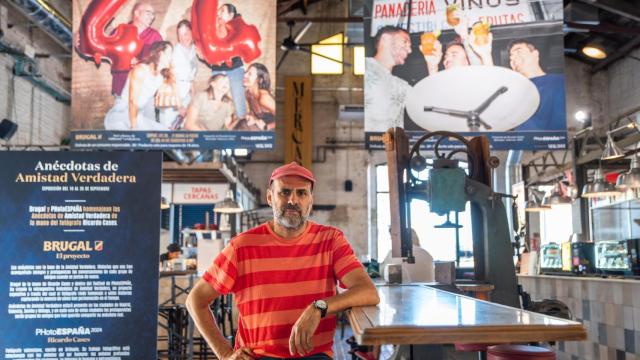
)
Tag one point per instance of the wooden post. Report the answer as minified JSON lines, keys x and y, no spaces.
{"x":396,"y":145}
{"x":479,"y":151}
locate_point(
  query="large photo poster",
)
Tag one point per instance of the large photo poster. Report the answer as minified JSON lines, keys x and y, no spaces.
{"x":79,"y":266}
{"x":171,"y":74}
{"x":473,"y":67}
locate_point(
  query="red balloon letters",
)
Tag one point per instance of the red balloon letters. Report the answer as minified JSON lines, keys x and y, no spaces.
{"x":242,"y":39}
{"x":120,"y":47}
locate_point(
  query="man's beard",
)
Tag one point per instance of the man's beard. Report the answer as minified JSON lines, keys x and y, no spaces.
{"x":289,"y":221}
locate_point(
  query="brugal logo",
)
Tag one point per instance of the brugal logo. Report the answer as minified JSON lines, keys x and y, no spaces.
{"x":62,"y":246}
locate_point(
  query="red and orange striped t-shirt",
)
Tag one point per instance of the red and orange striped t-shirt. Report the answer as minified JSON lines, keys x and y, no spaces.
{"x":274,"y":279}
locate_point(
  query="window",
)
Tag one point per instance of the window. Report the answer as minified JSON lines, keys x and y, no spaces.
{"x":555,"y":224}
{"x":444,"y":244}
{"x":383,"y":213}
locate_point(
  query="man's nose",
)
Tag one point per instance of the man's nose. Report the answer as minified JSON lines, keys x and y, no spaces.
{"x":293,"y":198}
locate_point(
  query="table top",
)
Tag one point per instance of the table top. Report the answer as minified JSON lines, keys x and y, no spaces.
{"x":177,"y":273}
{"x":417,"y":314}
{"x":479,"y":287}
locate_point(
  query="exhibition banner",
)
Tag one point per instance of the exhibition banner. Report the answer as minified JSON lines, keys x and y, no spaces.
{"x":173,"y":74}
{"x":80,"y":239}
{"x":474,"y":67}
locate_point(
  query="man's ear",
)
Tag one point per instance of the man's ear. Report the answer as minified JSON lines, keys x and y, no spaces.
{"x":385,"y":38}
{"x":269,"y":196}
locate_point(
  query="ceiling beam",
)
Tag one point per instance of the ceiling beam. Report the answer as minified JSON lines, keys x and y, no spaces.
{"x":285,"y":6}
{"x":618,"y":7}
{"x":618,"y":54}
{"x":605,"y":28}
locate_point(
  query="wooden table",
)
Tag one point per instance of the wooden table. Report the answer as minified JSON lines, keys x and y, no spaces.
{"x":417,"y":314}
{"x":479,"y":291}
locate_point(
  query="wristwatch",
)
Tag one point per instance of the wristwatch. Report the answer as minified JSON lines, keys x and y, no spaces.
{"x":322,"y":306}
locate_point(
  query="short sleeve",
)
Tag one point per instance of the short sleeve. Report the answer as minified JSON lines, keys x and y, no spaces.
{"x":222,"y":274}
{"x":344,"y":260}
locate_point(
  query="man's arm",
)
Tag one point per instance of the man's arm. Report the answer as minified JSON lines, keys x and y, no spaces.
{"x":191,"y":120}
{"x":434,"y":59}
{"x":484,"y":52}
{"x":134,"y":88}
{"x":198,"y":301}
{"x":360,"y":292}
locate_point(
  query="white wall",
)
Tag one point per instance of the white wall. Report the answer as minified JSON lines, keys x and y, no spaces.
{"x":40,"y":118}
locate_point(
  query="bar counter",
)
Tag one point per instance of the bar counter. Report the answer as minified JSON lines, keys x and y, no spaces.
{"x":609,"y":308}
{"x":418,"y":314}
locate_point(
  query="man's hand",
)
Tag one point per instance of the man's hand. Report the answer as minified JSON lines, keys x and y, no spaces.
{"x":240,"y":354}
{"x":433,"y":60}
{"x":463,"y":25}
{"x":301,"y":339}
{"x":483,"y":51}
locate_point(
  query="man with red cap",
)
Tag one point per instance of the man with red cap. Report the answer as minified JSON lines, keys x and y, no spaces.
{"x":283,"y":276}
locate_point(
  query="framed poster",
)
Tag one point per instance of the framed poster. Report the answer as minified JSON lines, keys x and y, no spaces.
{"x":493,"y":68}
{"x":80,"y":238}
{"x":173,"y":74}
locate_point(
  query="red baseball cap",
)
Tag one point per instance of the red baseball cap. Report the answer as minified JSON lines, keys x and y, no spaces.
{"x":293,"y":169}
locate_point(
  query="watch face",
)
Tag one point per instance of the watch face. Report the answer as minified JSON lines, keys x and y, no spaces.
{"x":321,"y":304}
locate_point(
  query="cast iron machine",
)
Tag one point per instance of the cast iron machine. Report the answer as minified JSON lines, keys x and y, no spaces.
{"x":447,"y":189}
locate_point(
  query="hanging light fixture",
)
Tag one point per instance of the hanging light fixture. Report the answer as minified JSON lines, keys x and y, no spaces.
{"x":582,"y":116}
{"x":599,"y":187}
{"x":7,"y":129}
{"x":164,"y":205}
{"x":228,"y":205}
{"x":534,"y":204}
{"x":611,"y":150}
{"x":556,"y":196}
{"x":630,"y":179}
{"x":594,"y":51}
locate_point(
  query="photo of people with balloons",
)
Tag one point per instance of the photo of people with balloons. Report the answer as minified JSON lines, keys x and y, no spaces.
{"x":173,"y":66}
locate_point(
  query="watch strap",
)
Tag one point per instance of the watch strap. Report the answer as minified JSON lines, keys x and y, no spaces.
{"x":323,"y":309}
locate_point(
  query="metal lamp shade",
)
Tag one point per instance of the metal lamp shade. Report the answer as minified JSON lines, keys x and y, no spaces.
{"x":630,"y":179}
{"x":556,"y":197}
{"x":611,"y":150}
{"x":534,"y":204}
{"x":164,"y":205}
{"x":228,"y":205}
{"x":599,"y":187}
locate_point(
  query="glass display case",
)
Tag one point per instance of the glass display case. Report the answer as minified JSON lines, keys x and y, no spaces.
{"x":583,"y":257}
{"x":550,"y":258}
{"x":611,"y":256}
{"x":566,"y":257}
